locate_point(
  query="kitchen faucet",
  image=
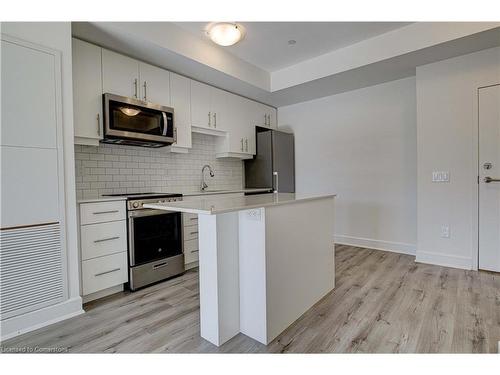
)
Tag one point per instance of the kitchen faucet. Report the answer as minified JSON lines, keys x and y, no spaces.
{"x":204,"y":186}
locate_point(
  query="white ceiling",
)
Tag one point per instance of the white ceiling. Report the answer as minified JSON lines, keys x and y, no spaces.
{"x":266,"y":43}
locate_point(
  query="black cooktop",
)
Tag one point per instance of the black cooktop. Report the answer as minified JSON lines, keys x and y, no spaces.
{"x":143,"y":195}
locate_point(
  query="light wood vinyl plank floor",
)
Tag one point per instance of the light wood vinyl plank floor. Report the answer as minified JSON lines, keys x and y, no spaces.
{"x":383,"y":303}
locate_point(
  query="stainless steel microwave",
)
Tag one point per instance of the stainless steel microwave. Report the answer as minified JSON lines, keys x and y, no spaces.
{"x":135,"y":122}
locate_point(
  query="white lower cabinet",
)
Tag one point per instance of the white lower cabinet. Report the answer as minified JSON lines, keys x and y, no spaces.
{"x":104,"y":272}
{"x":190,"y":228}
{"x":103,"y":247}
{"x":191,"y":250}
{"x":103,"y":239}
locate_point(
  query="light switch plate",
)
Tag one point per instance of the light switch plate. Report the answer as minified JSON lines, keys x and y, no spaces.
{"x":440,"y":176}
{"x":445,"y":231}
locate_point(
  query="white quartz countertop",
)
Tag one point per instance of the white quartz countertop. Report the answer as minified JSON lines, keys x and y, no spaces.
{"x":214,"y":192}
{"x":220,"y":205}
{"x":185,"y":194}
{"x":100,"y":199}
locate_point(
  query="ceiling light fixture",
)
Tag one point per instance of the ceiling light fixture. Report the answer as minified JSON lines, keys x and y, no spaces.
{"x":225,"y":33}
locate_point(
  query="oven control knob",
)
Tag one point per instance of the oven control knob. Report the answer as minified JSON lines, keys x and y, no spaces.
{"x":135,"y":204}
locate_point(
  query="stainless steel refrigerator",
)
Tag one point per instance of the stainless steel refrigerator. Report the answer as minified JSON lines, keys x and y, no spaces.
{"x":274,"y":162}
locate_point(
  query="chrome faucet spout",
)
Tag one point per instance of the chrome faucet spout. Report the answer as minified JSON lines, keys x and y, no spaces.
{"x":204,"y":185}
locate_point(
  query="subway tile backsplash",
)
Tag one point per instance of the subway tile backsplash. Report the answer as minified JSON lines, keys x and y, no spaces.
{"x":109,"y":169}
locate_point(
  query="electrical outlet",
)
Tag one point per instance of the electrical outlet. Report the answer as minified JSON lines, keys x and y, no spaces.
{"x":445,"y":231}
{"x":254,"y":214}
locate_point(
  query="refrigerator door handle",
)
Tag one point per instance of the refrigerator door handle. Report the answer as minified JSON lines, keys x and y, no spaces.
{"x":276,"y":181}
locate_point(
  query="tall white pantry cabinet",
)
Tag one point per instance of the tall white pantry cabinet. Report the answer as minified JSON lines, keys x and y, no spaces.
{"x":33,"y":254}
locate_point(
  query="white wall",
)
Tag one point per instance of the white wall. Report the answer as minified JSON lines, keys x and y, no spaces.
{"x":361,"y":145}
{"x":57,"y":35}
{"x":447,"y":140}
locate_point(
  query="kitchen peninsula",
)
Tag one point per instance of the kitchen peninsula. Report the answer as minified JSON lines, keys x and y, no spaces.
{"x":264,"y":260}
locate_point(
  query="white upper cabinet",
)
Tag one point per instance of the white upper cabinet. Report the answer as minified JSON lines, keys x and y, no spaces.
{"x":240,"y":139}
{"x":180,"y":88}
{"x":220,"y":108}
{"x":264,"y":115}
{"x":120,"y":75}
{"x":197,"y":106}
{"x":201,"y":115}
{"x":272,"y":117}
{"x":87,"y":93}
{"x":154,"y":84}
{"x":209,"y":107}
{"x":28,"y":95}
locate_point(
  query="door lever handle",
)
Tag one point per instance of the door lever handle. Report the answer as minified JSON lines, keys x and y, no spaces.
{"x":490,"y":179}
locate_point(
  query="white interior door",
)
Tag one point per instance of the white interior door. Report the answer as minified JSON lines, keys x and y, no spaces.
{"x":489,"y":178}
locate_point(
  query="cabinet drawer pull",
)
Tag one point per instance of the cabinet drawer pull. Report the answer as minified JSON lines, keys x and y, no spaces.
{"x":106,"y":272}
{"x":160,"y":265}
{"x":195,"y":251}
{"x":246,"y":144}
{"x":194,"y":232}
{"x":145,"y":90}
{"x":135,"y":88}
{"x":209,"y":118}
{"x":193,"y":218}
{"x":241,"y":144}
{"x":105,"y":212}
{"x":107,"y":239}
{"x":215,"y":119}
{"x":98,"y":125}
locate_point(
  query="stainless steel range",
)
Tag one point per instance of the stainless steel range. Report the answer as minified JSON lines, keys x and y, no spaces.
{"x":155,"y":244}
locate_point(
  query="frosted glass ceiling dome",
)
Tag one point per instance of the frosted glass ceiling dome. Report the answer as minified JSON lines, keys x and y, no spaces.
{"x":225,"y":33}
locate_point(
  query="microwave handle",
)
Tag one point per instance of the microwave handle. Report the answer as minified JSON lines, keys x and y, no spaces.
{"x":165,"y":124}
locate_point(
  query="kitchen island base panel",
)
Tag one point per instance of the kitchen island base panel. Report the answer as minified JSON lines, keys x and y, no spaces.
{"x":219,"y":277}
{"x":262,"y":268}
{"x":286,"y":265}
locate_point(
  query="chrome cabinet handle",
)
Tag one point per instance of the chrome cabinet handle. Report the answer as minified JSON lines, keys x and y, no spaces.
{"x":241,"y":144}
{"x":275,"y":174}
{"x":246,"y":144}
{"x":175,"y":134}
{"x":265,"y":118}
{"x":106,"y":272}
{"x":145,"y":90}
{"x":209,"y":119}
{"x":135,"y":88}
{"x":490,"y":179}
{"x":107,"y":239}
{"x":215,"y":119}
{"x":105,"y":212}
{"x":98,"y":125}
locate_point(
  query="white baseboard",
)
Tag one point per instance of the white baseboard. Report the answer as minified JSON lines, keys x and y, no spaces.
{"x":395,"y":247}
{"x":33,"y":320}
{"x":444,"y":260}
